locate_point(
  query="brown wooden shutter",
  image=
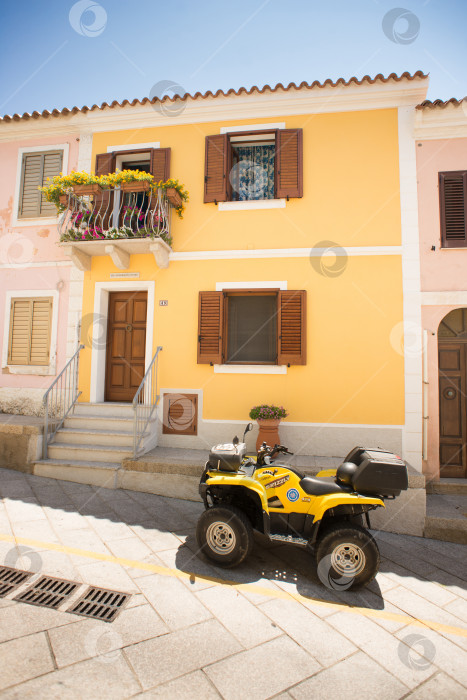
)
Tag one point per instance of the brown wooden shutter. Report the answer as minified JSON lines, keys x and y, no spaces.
{"x":289,"y":163}
{"x":453,"y":208}
{"x":180,"y":413}
{"x":292,"y":328}
{"x":216,"y":168}
{"x":35,"y":169}
{"x":160,"y":163}
{"x":210,"y":321}
{"x":103,"y":203}
{"x":29,"y":341}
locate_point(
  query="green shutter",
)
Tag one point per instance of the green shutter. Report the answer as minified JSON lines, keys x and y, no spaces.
{"x":35,"y":169}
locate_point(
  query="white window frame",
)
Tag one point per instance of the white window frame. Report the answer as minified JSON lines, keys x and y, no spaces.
{"x":128,"y":148}
{"x":45,"y":148}
{"x":101,"y":309}
{"x":250,"y":369}
{"x":42,"y":370}
{"x":252,"y":203}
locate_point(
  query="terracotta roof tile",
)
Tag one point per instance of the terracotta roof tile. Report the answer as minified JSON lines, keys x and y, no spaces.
{"x":199,"y":95}
{"x":428,"y":104}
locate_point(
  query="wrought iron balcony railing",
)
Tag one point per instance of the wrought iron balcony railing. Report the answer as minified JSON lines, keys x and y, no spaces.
{"x":132,"y":210}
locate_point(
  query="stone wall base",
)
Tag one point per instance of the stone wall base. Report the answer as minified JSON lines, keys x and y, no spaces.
{"x":20,"y":446}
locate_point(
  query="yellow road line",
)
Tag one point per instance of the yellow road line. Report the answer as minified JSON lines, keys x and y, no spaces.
{"x":248,"y":587}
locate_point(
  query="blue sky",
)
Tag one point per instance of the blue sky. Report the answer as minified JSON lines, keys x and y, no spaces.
{"x":120,"y":49}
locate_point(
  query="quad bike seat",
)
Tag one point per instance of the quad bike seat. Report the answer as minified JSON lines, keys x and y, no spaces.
{"x":322,"y":486}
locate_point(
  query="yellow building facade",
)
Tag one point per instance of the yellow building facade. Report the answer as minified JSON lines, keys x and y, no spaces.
{"x":345,"y":243}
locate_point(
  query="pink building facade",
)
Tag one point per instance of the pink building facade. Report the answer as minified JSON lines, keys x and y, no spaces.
{"x":441,"y":138}
{"x":33,"y":269}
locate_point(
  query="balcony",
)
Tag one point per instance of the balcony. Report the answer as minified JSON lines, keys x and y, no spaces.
{"x":118,"y":215}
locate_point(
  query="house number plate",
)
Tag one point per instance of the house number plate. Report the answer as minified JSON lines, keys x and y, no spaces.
{"x":163,"y":302}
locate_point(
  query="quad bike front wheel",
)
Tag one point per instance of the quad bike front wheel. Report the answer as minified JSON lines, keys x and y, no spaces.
{"x":224,"y":534}
{"x":347,"y":557}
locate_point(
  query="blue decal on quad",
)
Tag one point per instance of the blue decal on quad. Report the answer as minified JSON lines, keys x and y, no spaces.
{"x":293,"y":495}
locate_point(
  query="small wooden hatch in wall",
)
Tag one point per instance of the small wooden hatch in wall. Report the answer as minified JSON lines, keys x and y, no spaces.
{"x":180,"y":413}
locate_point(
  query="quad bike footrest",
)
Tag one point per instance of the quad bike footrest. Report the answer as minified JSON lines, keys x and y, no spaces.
{"x":289,"y":539}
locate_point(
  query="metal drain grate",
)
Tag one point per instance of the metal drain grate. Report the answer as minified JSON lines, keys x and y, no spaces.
{"x":100,"y":604}
{"x":11,"y":579}
{"x":48,"y":592}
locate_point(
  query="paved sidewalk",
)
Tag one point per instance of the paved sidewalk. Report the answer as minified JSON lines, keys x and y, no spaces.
{"x":192,"y":630}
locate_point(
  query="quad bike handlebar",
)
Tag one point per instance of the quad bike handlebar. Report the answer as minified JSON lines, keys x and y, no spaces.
{"x":266,"y":453}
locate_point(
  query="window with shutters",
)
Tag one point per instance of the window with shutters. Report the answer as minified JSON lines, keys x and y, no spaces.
{"x":151,"y":160}
{"x":453,"y":208}
{"x":29,"y":336}
{"x":36,"y":167}
{"x":248,"y":327}
{"x":254,"y":166}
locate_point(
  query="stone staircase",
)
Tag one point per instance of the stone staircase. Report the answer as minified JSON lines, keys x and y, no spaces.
{"x":446,"y":510}
{"x":92,"y":443}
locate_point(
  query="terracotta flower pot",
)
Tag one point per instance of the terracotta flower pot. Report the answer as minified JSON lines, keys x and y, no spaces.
{"x":136,"y":186}
{"x":268,"y":432}
{"x":173,"y":196}
{"x":87,"y":189}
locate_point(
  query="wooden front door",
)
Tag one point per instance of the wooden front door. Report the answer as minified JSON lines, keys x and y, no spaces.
{"x":452,"y":408}
{"x":126,"y":343}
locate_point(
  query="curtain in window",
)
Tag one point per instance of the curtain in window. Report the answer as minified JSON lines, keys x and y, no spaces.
{"x":252,"y":174}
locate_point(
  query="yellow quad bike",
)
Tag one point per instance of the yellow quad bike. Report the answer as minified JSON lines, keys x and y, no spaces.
{"x":326,"y":513}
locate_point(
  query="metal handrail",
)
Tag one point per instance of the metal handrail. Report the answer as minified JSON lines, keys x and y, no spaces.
{"x":145,"y":402}
{"x":60,"y":398}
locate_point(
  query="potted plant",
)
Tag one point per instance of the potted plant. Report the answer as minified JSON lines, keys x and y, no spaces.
{"x":268,"y":418}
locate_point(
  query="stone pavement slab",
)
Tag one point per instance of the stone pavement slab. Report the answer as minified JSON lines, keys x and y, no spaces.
{"x":262,"y":672}
{"x":89,"y":679}
{"x":439,"y":687}
{"x":24,"y":658}
{"x":266,"y":629}
{"x":358,"y":676}
{"x":89,"y":638}
{"x":325,"y":644}
{"x":193,"y":685}
{"x":162,"y":659}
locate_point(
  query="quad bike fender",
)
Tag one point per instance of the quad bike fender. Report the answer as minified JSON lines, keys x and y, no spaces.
{"x":327,"y":472}
{"x":333,"y":500}
{"x":234,"y":480}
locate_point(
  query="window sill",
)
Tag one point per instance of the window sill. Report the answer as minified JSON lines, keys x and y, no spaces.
{"x":45,"y":221}
{"x":459,"y":247}
{"x":38,"y":370}
{"x":250,"y":369}
{"x":252,"y":204}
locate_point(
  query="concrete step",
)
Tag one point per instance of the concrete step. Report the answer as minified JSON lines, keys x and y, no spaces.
{"x":447,"y":486}
{"x":121,"y":410}
{"x":104,"y":474}
{"x":97,"y":422}
{"x":103,"y":438}
{"x":446,"y":517}
{"x":88,"y":452}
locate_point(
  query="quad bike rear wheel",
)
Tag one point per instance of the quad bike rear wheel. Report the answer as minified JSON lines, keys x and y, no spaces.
{"x":347,"y":557}
{"x":224,"y":534}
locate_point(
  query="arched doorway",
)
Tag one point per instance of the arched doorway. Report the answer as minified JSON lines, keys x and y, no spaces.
{"x":452,"y":363}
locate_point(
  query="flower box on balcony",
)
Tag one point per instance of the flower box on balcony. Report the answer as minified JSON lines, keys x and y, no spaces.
{"x":136,"y":186}
{"x":87,"y":189}
{"x":174,"y":197}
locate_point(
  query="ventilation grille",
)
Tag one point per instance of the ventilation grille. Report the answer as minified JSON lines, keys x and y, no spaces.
{"x":48,"y":592}
{"x":100,"y":604}
{"x":11,"y":579}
